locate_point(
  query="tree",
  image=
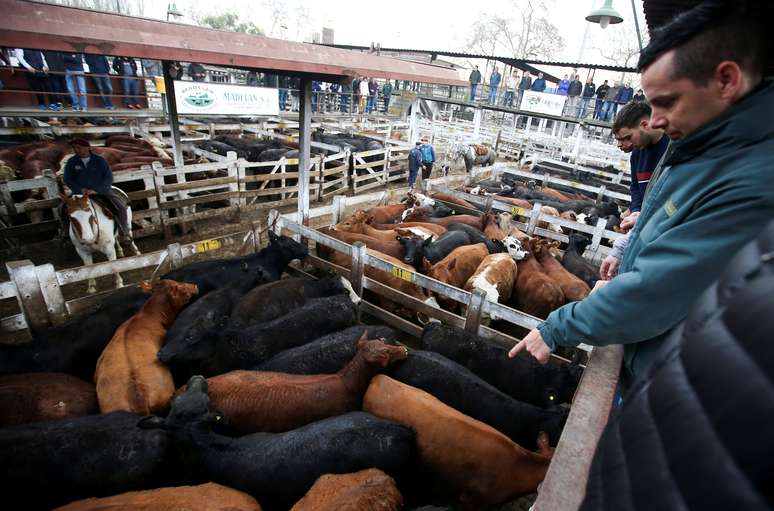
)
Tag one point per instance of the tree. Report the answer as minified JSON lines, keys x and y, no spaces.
{"x":229,"y":21}
{"x":526,"y":34}
{"x":131,"y":7}
{"x":620,"y":46}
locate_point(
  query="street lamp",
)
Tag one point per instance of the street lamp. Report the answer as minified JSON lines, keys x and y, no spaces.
{"x":605,"y":15}
{"x":173,"y":11}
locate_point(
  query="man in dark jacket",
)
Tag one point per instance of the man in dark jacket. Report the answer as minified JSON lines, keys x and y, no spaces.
{"x":474,"y":79}
{"x":74,"y":77}
{"x":34,"y":62}
{"x":428,"y":158}
{"x":126,"y":67}
{"x":56,"y":79}
{"x":524,"y":84}
{"x":414,"y":164}
{"x":573,"y":95}
{"x":539,"y":85}
{"x":373,"y":92}
{"x":99,"y":70}
{"x":624,"y":95}
{"x":703,"y":73}
{"x":693,"y":432}
{"x":197,"y":72}
{"x":588,"y":94}
{"x":87,"y":172}
{"x":601,"y":93}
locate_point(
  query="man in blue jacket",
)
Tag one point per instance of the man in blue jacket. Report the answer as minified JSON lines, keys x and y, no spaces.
{"x":539,"y":85}
{"x":414,"y":164}
{"x":87,"y":172}
{"x":494,"y":83}
{"x":703,"y":74}
{"x":73,"y":64}
{"x":428,"y":158}
{"x":474,"y":79}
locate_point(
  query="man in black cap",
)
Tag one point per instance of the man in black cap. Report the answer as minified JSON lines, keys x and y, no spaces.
{"x":89,"y":173}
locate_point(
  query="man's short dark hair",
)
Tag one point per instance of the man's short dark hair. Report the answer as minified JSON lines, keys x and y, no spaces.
{"x":631,"y":115}
{"x":710,"y":33}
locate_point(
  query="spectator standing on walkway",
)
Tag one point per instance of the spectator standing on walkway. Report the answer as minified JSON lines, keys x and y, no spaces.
{"x":387,"y":94}
{"x":175,"y":70}
{"x":639,"y":97}
{"x":346,"y":95}
{"x":74,"y":77}
{"x":588,"y":94}
{"x":373,"y":93}
{"x":197,"y":72}
{"x":510,"y":88}
{"x":601,"y":93}
{"x":356,"y":94}
{"x":573,"y":95}
{"x":283,"y":84}
{"x":524,"y":84}
{"x":428,"y":158}
{"x":610,"y":108}
{"x":494,"y":83}
{"x":539,"y":85}
{"x":99,"y":71}
{"x":151,"y":67}
{"x":414,"y":164}
{"x":564,"y":86}
{"x":363,"y":95}
{"x":56,"y":80}
{"x":624,"y":96}
{"x":37,"y":75}
{"x":126,"y":67}
{"x":474,"y":79}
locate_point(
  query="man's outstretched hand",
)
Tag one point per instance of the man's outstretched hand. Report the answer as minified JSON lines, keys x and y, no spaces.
{"x":533,"y":343}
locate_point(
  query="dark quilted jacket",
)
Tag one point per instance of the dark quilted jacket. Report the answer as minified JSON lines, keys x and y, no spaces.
{"x":697,"y":431}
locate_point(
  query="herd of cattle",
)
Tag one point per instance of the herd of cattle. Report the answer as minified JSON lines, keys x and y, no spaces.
{"x":480,"y":251}
{"x":223,"y":384}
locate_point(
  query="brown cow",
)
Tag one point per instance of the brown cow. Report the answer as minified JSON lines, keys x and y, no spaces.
{"x":505,"y":222}
{"x":112,"y":155}
{"x":276,"y":402}
{"x":127,"y":139}
{"x":574,"y":289}
{"x":204,"y":497}
{"x":52,"y":153}
{"x":495,"y":276}
{"x":536,"y":293}
{"x":367,"y":490}
{"x":452,"y":200}
{"x":548,"y":210}
{"x":491,"y":229}
{"x":554,"y":194}
{"x":357,"y":224}
{"x":33,"y":397}
{"x":475,"y":221}
{"x":519,"y":203}
{"x":486,"y":466}
{"x":456,"y":268}
{"x":437,"y":230}
{"x":128,"y":375}
{"x":392,"y":248}
{"x":386,"y":214}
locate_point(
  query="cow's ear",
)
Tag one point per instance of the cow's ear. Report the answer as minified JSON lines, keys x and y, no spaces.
{"x":452,"y":264}
{"x":363,"y":338}
{"x":146,"y":286}
{"x":428,"y":241}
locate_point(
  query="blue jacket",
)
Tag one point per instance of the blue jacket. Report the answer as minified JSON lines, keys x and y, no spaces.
{"x":494,"y":80}
{"x":96,"y":176}
{"x":428,"y":153}
{"x":624,"y":95}
{"x":564,"y":86}
{"x":643,"y":162}
{"x":714,"y":195}
{"x":539,"y":85}
{"x":414,"y":160}
{"x":72,"y":61}
{"x":98,"y":64}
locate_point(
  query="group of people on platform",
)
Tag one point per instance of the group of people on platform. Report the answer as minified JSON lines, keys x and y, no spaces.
{"x":581,"y":98}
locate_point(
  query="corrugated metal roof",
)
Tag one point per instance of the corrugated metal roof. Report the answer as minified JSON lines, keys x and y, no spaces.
{"x":54,"y":27}
{"x":520,"y":63}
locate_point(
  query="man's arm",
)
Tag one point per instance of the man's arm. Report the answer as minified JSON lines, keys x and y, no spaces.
{"x":634,"y":188}
{"x":19,"y":54}
{"x":69,"y":178}
{"x":668,"y":275}
{"x":104,"y":177}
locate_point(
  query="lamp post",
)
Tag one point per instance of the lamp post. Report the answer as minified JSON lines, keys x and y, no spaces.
{"x":173,"y":11}
{"x":605,"y":15}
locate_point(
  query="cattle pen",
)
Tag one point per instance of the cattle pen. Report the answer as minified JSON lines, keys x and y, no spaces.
{"x":349,"y":179}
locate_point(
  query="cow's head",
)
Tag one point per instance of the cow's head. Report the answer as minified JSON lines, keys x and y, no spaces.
{"x":288,"y":247}
{"x":422,"y":200}
{"x":414,"y":248}
{"x":515,"y":248}
{"x":179,"y":293}
{"x":378,"y":353}
{"x":192,"y":405}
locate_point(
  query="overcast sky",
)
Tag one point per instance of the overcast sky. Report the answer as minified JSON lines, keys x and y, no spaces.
{"x":417,"y":24}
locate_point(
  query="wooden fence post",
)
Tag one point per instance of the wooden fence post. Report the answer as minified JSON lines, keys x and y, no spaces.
{"x":158,"y":182}
{"x":338,"y":207}
{"x":601,"y":194}
{"x":358,"y":266}
{"x":52,"y":294}
{"x":257,"y":235}
{"x":475,"y":311}
{"x":52,"y":190}
{"x":29,"y":294}
{"x":175,"y":255}
{"x":599,"y":231}
{"x":233,"y":171}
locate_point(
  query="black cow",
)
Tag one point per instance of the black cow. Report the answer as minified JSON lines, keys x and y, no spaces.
{"x":74,"y":346}
{"x":522,"y":378}
{"x":476,"y":236}
{"x":461,"y":389}
{"x":48,"y":464}
{"x":209,"y":275}
{"x":328,"y":354}
{"x":191,"y":337}
{"x":574,"y":262}
{"x":280,"y":467}
{"x":242,"y":348}
{"x":222,"y":149}
{"x":275,"y":299}
{"x":418,"y":248}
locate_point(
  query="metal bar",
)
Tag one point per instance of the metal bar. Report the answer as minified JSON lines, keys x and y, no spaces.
{"x":305,"y":136}
{"x":169,"y":84}
{"x":475,"y":311}
{"x":359,"y":253}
